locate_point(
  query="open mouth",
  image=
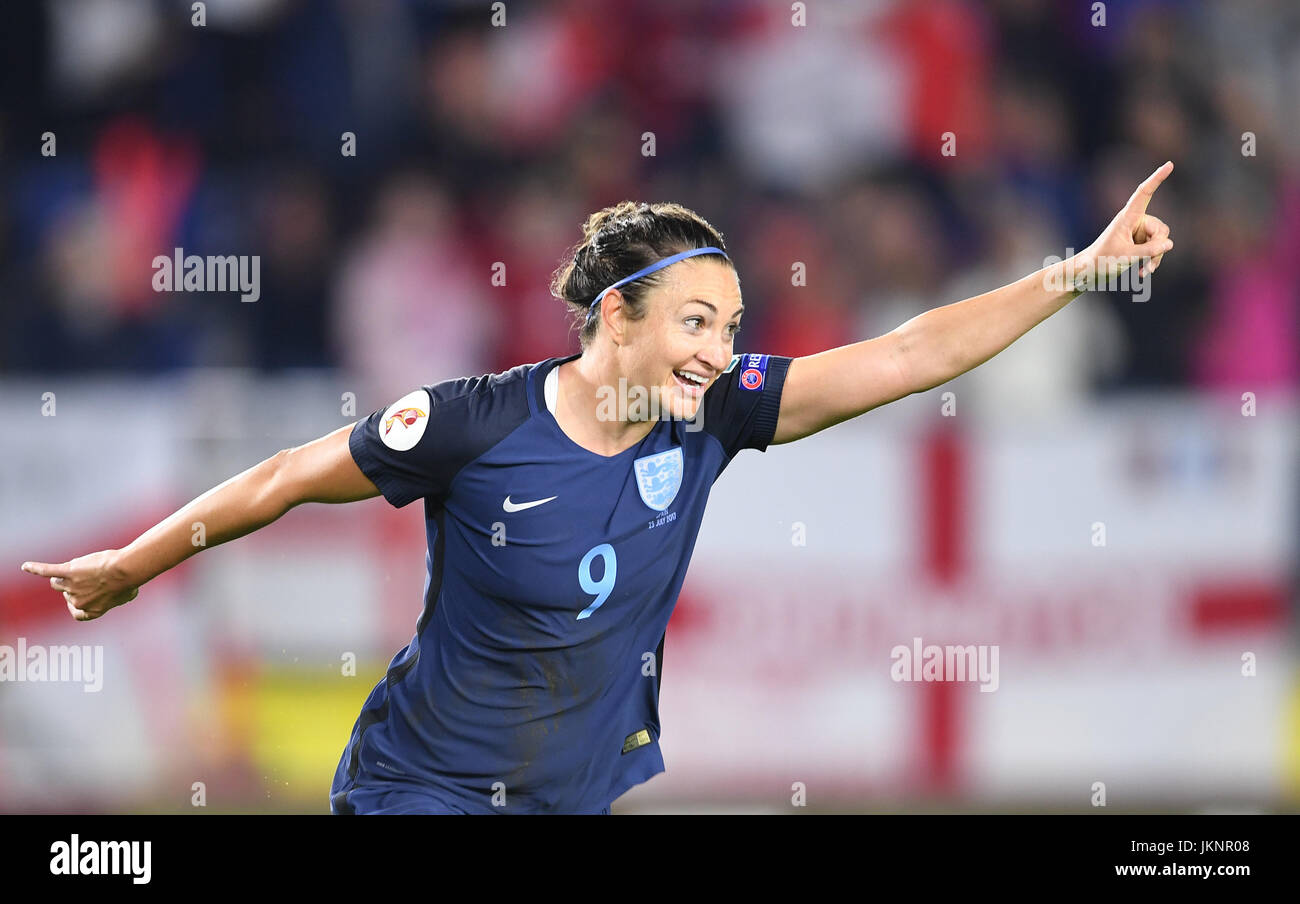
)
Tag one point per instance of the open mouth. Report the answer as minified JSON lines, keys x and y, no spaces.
{"x":692,"y":384}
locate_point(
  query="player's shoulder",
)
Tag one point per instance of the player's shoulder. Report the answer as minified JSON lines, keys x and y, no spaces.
{"x":501,"y":395}
{"x":417,"y":445}
{"x":482,"y":387}
{"x":451,"y":421}
{"x":485,"y":407}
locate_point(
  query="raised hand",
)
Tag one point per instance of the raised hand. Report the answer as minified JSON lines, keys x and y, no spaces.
{"x":1134,"y":237}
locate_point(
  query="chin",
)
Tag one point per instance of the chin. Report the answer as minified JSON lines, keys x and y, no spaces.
{"x":686,"y":411}
{"x":679,"y":406}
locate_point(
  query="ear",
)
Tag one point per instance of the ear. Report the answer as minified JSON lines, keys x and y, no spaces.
{"x":613,"y":313}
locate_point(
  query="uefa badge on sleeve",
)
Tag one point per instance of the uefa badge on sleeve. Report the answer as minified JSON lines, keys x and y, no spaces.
{"x":753,"y":370}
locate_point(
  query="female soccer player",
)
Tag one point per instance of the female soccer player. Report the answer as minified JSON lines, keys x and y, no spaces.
{"x":562,"y":501}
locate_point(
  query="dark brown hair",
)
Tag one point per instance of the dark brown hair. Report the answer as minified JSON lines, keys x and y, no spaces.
{"x":617,"y":242}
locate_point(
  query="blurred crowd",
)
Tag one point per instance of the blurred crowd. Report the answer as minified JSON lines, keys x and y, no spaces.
{"x":899,"y":155}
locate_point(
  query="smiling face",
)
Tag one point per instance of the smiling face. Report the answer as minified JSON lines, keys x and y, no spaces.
{"x":691,"y":319}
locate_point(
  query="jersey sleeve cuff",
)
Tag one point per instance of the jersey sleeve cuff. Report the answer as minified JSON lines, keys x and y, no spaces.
{"x":769,"y":407}
{"x":396,"y":494}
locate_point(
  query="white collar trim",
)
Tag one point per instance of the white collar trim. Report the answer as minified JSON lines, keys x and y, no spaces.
{"x":552,"y":388}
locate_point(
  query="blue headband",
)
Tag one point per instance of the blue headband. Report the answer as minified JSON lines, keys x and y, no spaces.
{"x":659,"y":265}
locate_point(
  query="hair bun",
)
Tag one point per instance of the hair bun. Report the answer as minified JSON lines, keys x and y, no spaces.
{"x":622,"y":239}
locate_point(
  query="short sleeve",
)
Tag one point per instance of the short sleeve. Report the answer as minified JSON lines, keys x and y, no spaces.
{"x":408,"y":449}
{"x":740,"y":409}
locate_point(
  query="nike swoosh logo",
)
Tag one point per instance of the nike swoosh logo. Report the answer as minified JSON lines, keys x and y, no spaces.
{"x":520,"y":506}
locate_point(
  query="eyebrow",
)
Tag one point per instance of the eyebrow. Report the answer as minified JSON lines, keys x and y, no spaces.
{"x":712,"y":307}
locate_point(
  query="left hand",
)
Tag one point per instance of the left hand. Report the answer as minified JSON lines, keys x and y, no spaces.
{"x":1134,"y":236}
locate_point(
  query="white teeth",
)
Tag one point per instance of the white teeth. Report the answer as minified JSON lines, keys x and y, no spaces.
{"x":694,"y":378}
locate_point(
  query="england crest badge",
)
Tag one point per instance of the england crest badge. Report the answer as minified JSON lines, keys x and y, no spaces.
{"x":659,"y":477}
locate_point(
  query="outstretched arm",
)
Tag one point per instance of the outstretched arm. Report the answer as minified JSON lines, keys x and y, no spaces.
{"x":929,"y":350}
{"x":320,"y":471}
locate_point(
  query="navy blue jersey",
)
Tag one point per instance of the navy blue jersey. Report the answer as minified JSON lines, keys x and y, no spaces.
{"x":532,"y":682}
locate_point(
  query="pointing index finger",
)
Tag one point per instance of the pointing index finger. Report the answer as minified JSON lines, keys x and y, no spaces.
{"x":45,"y":569}
{"x":1142,"y":196}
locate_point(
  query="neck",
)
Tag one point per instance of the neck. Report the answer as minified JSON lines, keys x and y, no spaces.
{"x":589,"y":394}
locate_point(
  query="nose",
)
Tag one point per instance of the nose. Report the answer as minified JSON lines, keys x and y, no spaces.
{"x":716,"y":355}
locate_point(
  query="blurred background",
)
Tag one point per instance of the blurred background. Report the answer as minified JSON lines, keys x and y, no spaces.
{"x":1112,"y":501}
